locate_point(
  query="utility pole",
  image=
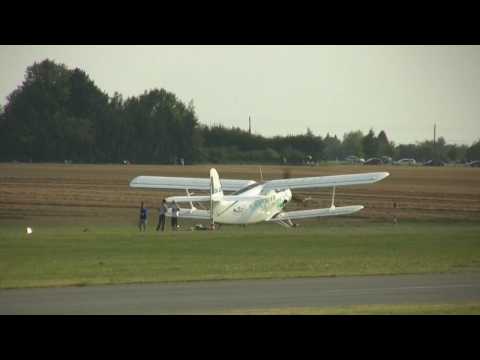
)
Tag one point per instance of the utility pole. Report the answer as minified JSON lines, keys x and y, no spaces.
{"x":434,"y":140}
{"x":249,"y":126}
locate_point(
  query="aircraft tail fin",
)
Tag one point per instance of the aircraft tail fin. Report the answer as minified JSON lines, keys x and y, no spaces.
{"x":215,"y":186}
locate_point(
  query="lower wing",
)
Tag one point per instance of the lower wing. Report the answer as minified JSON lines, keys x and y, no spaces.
{"x":313,"y":213}
{"x":192,"y":214}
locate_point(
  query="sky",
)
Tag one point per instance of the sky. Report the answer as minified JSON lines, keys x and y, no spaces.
{"x":403,"y":90}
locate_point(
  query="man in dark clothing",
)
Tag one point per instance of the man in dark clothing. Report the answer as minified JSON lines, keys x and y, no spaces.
{"x":161,"y":215}
{"x":143,"y":218}
{"x":174,"y":215}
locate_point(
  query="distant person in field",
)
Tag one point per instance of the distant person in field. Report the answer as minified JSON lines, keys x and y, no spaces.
{"x":143,"y":218}
{"x":175,"y":210}
{"x":161,"y":215}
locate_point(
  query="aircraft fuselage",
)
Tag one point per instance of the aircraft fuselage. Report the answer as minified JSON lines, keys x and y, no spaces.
{"x":249,"y":212}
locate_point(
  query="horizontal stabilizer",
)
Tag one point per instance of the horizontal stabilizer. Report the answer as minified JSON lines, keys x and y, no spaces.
{"x":191,"y":214}
{"x":313,"y":213}
{"x":185,"y":199}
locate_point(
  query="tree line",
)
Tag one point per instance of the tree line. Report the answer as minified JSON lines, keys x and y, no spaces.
{"x":59,"y":114}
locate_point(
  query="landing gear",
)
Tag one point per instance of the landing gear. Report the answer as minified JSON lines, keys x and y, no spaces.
{"x":214,"y":226}
{"x":288,"y":223}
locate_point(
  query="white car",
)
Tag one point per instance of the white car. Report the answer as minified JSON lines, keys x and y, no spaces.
{"x":406,"y":162}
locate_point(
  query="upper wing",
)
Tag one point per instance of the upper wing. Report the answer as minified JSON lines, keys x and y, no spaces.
{"x":325,"y":181}
{"x":182,"y":183}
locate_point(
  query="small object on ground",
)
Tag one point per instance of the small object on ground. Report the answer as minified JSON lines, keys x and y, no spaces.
{"x":200,"y":227}
{"x":29,"y":230}
{"x":85,"y":230}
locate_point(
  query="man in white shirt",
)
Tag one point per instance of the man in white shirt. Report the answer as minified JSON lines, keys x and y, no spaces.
{"x":175,"y":210}
{"x":161,"y":215}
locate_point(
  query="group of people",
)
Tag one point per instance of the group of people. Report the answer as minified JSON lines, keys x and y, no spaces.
{"x":162,"y":211}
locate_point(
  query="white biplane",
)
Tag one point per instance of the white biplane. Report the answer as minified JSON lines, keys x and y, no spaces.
{"x":250,"y":201}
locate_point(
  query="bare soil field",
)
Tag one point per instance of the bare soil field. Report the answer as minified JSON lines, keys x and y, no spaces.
{"x":58,"y":193}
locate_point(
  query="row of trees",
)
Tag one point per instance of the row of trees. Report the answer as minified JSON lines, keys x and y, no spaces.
{"x":58,"y":114}
{"x":230,"y":145}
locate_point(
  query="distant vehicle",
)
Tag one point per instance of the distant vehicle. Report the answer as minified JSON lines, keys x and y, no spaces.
{"x":475,"y":163}
{"x":354,"y":159}
{"x":387,"y":160}
{"x":434,"y":163}
{"x":406,"y":162}
{"x":373,"y":161}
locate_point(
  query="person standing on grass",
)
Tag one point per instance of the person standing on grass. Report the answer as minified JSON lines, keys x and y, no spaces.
{"x":161,"y":215}
{"x":174,"y":215}
{"x":143,"y":218}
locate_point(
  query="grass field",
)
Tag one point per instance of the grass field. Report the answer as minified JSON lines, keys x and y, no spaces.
{"x":70,"y":255}
{"x":84,"y":221}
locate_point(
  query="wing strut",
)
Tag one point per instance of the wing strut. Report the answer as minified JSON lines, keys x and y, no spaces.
{"x":333,"y":198}
{"x":287,"y":223}
{"x":191,"y":204}
{"x":212,"y":222}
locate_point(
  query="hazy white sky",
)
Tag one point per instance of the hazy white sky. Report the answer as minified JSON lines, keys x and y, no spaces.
{"x":287,"y":89}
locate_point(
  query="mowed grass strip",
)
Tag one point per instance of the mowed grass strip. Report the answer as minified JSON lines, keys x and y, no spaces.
{"x":408,"y":309}
{"x":68,"y":255}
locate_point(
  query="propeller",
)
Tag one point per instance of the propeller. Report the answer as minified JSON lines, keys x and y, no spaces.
{"x":287,"y":174}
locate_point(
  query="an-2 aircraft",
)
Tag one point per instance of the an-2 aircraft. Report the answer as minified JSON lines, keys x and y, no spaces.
{"x":251,"y":201}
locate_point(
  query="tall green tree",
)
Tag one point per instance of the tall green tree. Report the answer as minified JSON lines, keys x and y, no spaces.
{"x":34,"y":111}
{"x":333,"y":148}
{"x":352,"y":143}
{"x":473,"y":152}
{"x":370,"y":145}
{"x":405,"y":151}
{"x":384,"y":147}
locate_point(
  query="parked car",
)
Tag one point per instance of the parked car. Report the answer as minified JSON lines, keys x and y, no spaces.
{"x":406,"y":162}
{"x":354,"y":159}
{"x":434,"y":163}
{"x":474,"y":163}
{"x":373,"y":161}
{"x":387,"y":160}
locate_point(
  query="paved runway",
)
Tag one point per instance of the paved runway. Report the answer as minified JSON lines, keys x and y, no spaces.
{"x":218,"y":296}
